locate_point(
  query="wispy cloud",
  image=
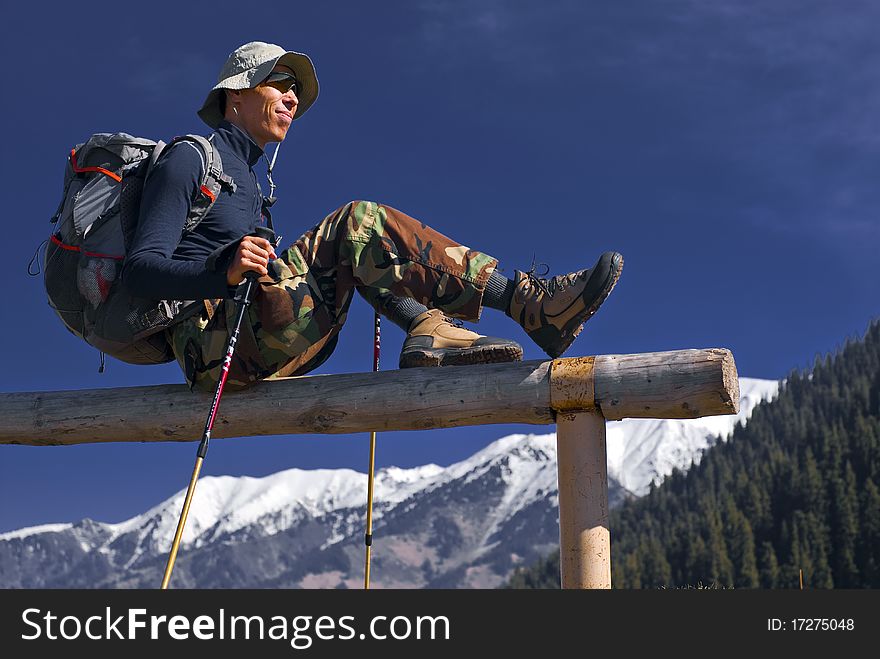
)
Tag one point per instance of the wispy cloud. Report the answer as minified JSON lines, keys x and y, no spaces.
{"x":165,"y":74}
{"x":785,"y":94}
{"x":806,"y":69}
{"x":509,"y":34}
{"x":811,"y":68}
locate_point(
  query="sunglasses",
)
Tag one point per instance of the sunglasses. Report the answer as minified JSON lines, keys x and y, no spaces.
{"x":281,"y":81}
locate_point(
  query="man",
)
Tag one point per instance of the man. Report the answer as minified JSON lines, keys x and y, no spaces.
{"x":417,"y":277}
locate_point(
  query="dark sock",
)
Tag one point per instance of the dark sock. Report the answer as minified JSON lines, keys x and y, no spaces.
{"x":402,"y":311}
{"x":498,"y":293}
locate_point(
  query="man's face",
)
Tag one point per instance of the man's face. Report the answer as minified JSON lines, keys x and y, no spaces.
{"x":266,"y":112}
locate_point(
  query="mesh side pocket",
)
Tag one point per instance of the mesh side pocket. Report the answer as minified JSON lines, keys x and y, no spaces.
{"x":95,"y":277}
{"x":60,"y":272}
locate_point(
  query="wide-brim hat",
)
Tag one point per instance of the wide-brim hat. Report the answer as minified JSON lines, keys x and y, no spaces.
{"x":248,"y":66}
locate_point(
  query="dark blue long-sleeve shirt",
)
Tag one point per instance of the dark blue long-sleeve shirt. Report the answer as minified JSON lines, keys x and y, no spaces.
{"x":163,"y":265}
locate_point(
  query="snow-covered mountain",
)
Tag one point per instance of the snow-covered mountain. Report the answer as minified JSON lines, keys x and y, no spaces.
{"x":465,"y":525}
{"x":644,"y":450}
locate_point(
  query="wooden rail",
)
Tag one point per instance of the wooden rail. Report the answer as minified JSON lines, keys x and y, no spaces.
{"x":578,"y":394}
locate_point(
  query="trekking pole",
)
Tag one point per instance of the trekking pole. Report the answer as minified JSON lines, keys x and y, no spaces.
{"x":368,"y":537}
{"x":243,"y":301}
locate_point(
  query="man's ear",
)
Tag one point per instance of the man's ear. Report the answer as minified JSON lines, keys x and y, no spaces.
{"x":226,"y":99}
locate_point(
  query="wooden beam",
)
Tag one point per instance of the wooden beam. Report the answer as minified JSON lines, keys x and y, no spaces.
{"x":677,"y":384}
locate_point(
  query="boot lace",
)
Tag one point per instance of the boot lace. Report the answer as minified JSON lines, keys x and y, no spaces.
{"x":554,"y":284}
{"x":455,"y":322}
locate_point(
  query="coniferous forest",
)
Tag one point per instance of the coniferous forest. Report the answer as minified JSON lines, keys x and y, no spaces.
{"x":795,"y":489}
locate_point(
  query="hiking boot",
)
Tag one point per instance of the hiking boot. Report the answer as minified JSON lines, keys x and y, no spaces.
{"x":435,"y":339}
{"x":553,"y":311}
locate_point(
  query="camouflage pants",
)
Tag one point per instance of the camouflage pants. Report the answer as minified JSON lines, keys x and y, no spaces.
{"x":293,"y":322}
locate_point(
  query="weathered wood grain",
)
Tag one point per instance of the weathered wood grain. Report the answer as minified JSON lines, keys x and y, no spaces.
{"x":677,"y":384}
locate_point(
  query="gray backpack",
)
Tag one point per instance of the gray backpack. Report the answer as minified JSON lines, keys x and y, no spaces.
{"x":92,"y":232}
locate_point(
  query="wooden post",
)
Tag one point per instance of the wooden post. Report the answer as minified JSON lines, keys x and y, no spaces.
{"x":584,"y":537}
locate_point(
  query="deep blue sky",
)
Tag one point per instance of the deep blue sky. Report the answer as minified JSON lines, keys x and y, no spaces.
{"x":730,"y":151}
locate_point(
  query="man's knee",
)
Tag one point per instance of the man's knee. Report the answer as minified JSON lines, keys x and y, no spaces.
{"x":357,"y":207}
{"x":357,"y":219}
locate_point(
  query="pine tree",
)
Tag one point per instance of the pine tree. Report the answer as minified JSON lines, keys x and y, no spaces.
{"x":742,"y":551}
{"x":722,"y":568}
{"x":844,"y":528}
{"x":868,"y":544}
{"x":655,"y":568}
{"x":630,"y":572}
{"x":769,"y":566}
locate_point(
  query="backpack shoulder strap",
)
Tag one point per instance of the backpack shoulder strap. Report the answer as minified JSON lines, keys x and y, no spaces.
{"x":213,"y":180}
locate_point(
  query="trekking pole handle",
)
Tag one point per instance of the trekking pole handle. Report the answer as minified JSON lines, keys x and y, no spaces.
{"x":268,"y":234}
{"x":251,"y":276}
